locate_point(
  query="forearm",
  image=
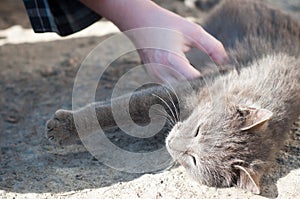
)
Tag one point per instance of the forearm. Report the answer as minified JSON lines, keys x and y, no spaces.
{"x":129,"y":14}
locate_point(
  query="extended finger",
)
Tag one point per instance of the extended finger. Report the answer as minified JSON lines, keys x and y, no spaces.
{"x":210,"y":45}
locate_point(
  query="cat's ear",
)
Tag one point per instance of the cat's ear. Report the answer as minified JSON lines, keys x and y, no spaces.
{"x":254,"y":117}
{"x":248,"y":179}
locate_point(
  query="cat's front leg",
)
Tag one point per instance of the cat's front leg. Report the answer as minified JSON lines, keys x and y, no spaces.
{"x":67,"y":126}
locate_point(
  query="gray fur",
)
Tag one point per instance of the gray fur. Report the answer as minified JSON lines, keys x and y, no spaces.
{"x":232,"y":139}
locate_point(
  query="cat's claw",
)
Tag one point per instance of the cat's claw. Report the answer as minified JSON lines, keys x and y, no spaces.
{"x":61,"y":130}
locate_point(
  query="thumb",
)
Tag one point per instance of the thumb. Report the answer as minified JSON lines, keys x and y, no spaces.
{"x":182,"y":66}
{"x":166,"y":67}
{"x":175,"y":68}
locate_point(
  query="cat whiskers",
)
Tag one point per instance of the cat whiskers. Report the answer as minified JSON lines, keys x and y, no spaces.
{"x":166,"y":116}
{"x":173,"y":115}
{"x":172,"y":101}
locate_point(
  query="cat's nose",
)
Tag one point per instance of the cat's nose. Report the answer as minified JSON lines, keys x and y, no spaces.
{"x":179,"y":144}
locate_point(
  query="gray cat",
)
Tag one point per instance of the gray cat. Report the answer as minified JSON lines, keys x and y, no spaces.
{"x":230,"y":140}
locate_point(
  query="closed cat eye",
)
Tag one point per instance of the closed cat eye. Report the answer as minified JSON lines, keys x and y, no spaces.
{"x":191,"y":156}
{"x":194,"y":160}
{"x":197,"y":131}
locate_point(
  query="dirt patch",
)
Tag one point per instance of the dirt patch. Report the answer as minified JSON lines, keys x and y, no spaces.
{"x":13,"y":13}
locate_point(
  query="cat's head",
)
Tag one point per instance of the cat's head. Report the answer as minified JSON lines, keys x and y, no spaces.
{"x":223,"y":148}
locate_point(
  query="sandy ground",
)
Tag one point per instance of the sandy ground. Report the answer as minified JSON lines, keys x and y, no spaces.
{"x":37,"y":78}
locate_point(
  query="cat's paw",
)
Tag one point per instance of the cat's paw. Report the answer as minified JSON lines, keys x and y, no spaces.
{"x":61,"y":129}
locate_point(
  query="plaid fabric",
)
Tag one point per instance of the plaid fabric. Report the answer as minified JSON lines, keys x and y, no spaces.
{"x":61,"y":16}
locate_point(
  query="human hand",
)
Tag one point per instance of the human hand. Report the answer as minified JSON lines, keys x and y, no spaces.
{"x":174,"y":36}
